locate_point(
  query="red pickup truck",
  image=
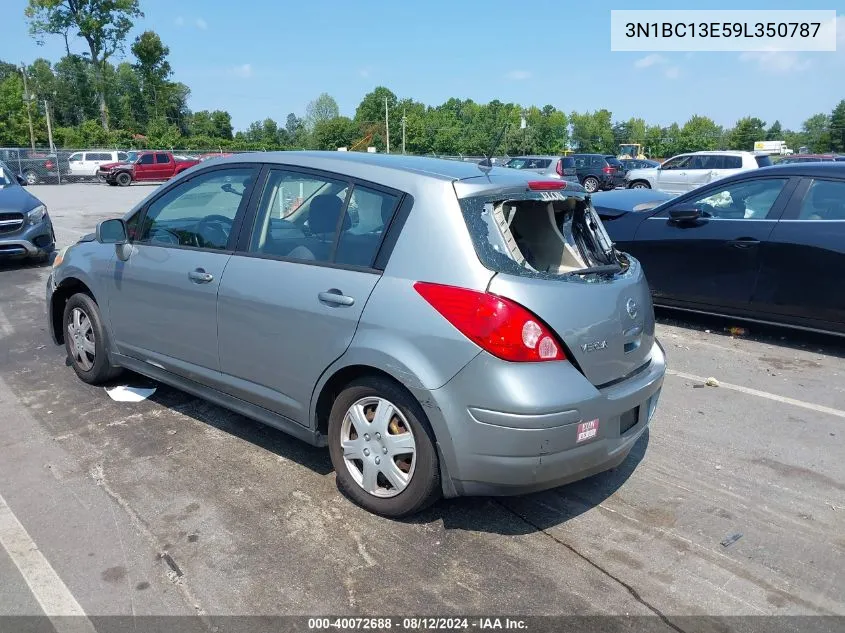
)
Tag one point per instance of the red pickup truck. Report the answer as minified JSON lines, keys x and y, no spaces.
{"x":148,"y":166}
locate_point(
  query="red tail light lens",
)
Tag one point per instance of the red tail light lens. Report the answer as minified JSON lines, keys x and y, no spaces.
{"x":608,"y":169}
{"x":546,"y":185}
{"x":48,"y":165}
{"x":559,"y":168}
{"x":497,"y":325}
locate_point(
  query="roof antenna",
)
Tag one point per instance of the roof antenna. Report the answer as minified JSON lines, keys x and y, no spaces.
{"x":487,"y":164}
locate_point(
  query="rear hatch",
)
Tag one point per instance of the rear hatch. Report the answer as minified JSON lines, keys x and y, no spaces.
{"x":552,"y":255}
{"x":566,"y":169}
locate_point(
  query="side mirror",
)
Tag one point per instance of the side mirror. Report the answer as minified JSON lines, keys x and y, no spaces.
{"x":21,"y":180}
{"x":685,"y":214}
{"x":111,"y":232}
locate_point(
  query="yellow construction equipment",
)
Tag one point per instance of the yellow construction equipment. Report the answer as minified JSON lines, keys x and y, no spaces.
{"x":631,"y":150}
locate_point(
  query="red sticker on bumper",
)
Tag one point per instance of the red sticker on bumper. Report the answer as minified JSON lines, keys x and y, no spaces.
{"x":587,"y":430}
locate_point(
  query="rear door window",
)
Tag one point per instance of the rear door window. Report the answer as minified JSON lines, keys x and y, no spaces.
{"x":162,"y":158}
{"x":824,"y":200}
{"x":373,"y":211}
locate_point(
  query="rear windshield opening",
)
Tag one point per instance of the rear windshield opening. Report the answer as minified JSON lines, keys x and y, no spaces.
{"x":543,"y":237}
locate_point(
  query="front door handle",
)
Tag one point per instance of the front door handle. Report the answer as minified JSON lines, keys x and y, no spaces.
{"x":335,"y":297}
{"x":744,"y":242}
{"x":199,"y":276}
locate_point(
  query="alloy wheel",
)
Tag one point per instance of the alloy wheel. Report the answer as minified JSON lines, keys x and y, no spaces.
{"x":81,"y":337}
{"x":378,"y":446}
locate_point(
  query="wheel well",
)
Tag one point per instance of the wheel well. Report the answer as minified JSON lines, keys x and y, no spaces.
{"x":65,"y":291}
{"x":640,"y":180}
{"x":335,"y":385}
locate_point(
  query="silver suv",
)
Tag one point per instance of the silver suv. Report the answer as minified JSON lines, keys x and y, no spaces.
{"x":686,"y":172}
{"x":444,"y":329}
{"x":552,"y":166}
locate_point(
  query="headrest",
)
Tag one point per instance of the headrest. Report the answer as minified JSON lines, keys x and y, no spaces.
{"x":323,"y":214}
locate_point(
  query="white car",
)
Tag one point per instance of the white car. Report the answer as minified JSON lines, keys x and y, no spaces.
{"x":85,"y":164}
{"x":685,"y":172}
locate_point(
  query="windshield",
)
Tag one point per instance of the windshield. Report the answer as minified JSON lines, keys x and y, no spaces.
{"x":544,"y":235}
{"x":6,"y":176}
{"x":131,"y":157}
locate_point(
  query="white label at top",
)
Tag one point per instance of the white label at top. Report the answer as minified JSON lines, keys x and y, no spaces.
{"x":715,"y":30}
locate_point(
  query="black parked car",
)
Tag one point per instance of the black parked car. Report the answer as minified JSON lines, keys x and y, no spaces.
{"x":598,"y":172}
{"x":25,"y":228}
{"x":763,"y":245}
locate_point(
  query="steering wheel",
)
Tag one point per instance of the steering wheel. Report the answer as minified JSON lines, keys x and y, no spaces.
{"x":216,"y":227}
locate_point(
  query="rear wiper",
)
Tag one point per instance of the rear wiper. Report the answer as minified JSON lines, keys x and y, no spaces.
{"x":607,"y":269}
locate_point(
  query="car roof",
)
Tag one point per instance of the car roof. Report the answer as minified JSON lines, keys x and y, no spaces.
{"x":346,"y":162}
{"x":828,"y":169}
{"x":543,"y":156}
{"x":724,"y":152}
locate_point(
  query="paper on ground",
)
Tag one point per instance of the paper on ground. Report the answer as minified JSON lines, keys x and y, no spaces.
{"x":124,"y":393}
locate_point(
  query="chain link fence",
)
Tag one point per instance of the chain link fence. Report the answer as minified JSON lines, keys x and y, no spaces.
{"x":64,"y":166}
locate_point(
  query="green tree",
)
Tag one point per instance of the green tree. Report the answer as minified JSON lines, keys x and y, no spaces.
{"x":699,"y":133}
{"x":746,"y":132}
{"x":837,"y":127}
{"x":323,"y":108}
{"x":103,"y":24}
{"x":76,"y":95}
{"x":774,"y":133}
{"x":14,"y":130}
{"x":593,"y":132}
{"x":153,"y":71}
{"x":817,"y":133}
{"x":329,"y":134}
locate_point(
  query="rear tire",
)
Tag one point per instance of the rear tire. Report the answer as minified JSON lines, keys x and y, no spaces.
{"x":86,"y":341}
{"x":123,"y":179}
{"x":591,"y":184}
{"x":31,"y":177}
{"x":369,"y":446}
{"x":640,"y":184}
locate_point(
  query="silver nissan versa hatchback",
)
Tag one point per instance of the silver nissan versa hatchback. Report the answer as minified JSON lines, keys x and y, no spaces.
{"x":444,"y":328}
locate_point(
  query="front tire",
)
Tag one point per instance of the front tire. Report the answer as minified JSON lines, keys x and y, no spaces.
{"x":591,"y":184}
{"x":86,"y":341}
{"x":640,"y":184}
{"x":123,"y":179}
{"x":383,"y":449}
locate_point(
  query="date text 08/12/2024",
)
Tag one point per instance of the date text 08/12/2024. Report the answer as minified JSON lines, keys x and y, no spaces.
{"x":416,"y":624}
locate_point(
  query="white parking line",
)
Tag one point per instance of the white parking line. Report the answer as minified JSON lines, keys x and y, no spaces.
{"x":51,"y":593}
{"x":6,"y":328}
{"x":763,"y":394}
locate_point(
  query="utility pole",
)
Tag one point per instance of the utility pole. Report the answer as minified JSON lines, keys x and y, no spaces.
{"x":49,"y":129}
{"x":387,"y":125}
{"x":403,"y":130}
{"x":28,"y":110}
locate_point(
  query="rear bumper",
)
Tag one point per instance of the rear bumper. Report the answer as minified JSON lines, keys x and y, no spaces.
{"x":34,"y":241}
{"x":511,"y":428}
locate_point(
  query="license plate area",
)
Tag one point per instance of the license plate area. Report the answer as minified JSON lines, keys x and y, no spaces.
{"x":587,"y":431}
{"x":628,"y":420}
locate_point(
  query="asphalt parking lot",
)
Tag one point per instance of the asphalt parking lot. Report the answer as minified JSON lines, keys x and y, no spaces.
{"x":175,"y":506}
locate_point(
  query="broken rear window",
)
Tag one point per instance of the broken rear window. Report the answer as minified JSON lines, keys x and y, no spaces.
{"x":540,"y":234}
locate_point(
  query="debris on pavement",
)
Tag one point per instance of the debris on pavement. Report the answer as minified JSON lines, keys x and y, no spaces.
{"x":718,"y":467}
{"x":125,"y":393}
{"x":737,"y":331}
{"x":711,"y":382}
{"x":730,"y":540}
{"x":707,"y":331}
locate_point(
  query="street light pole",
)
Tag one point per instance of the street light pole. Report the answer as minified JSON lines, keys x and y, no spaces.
{"x":403,"y":130}
{"x":387,"y":125}
{"x":49,"y":128}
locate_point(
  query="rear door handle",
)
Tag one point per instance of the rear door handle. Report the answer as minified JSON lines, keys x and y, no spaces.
{"x":744,"y":242}
{"x":199,"y":276}
{"x":335,"y":297}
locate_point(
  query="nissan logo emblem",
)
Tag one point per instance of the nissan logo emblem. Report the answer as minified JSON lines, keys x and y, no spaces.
{"x":632,"y":308}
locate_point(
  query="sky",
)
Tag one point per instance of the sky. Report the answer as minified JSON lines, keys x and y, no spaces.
{"x":266,"y":58}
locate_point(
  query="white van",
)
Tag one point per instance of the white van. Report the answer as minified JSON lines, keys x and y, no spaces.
{"x":85,"y":164}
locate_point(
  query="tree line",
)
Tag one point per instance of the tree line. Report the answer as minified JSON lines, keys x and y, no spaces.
{"x":134,"y":103}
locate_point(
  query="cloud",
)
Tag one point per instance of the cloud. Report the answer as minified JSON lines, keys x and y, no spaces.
{"x":364,"y":72}
{"x":244,"y":71}
{"x":517,"y":75}
{"x":650,"y":60}
{"x":180,"y":21}
{"x":201,"y":24}
{"x":673,"y":72}
{"x":776,"y":62}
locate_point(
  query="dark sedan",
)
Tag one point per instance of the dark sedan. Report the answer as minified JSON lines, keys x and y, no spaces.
{"x":764,"y":245}
{"x":25,"y":227}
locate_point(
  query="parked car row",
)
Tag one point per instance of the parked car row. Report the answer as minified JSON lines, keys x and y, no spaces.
{"x":146,"y":167}
{"x":595,"y":172}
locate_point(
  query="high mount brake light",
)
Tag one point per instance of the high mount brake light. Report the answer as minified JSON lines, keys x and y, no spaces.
{"x":497,"y":325}
{"x":546,"y":185}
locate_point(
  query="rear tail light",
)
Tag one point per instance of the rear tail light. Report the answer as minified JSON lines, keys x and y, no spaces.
{"x":559,"y":168}
{"x":546,"y":185}
{"x":497,"y":325}
{"x":48,"y":165}
{"x":608,"y":169}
